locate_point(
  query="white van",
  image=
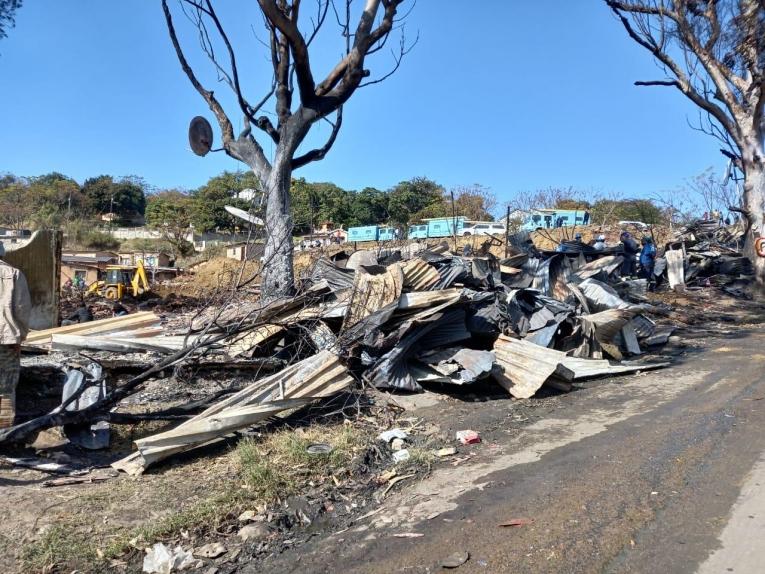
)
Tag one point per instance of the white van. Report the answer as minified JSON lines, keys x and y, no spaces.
{"x":484,"y":229}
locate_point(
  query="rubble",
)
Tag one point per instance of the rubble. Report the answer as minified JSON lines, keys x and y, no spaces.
{"x":406,"y":320}
{"x":425,"y":321}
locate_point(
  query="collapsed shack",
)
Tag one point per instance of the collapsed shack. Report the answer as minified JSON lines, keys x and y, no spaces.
{"x":409,"y":319}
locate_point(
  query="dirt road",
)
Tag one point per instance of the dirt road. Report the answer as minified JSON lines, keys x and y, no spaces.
{"x":660,"y":472}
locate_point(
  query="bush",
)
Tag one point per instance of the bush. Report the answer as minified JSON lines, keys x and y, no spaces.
{"x":100,"y":241}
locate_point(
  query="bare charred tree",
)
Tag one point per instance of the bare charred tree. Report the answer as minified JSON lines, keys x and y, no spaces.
{"x":713,"y":52}
{"x":299,"y":101}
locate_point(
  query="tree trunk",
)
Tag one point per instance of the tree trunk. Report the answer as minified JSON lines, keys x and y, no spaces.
{"x":278,"y":274}
{"x":754,"y":204}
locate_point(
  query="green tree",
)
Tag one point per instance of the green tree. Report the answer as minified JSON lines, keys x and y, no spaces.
{"x":171,"y":212}
{"x":609,"y":211}
{"x":334,"y":203}
{"x":318,"y":202}
{"x":57,"y":198}
{"x":408,"y":200}
{"x":368,"y":207}
{"x":211,"y":199}
{"x":15,"y":208}
{"x":104,"y":194}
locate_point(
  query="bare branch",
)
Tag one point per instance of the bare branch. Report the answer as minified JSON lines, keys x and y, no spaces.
{"x":397,"y":58}
{"x":297,"y":44}
{"x":682,"y":81}
{"x":225,"y":124}
{"x":673,"y":83}
{"x":319,"y":153}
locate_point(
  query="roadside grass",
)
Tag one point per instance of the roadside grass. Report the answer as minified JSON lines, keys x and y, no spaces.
{"x":88,"y":537}
{"x":279,"y":464}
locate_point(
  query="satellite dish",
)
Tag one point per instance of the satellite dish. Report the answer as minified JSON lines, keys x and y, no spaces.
{"x":200,"y":136}
{"x":242,"y":214}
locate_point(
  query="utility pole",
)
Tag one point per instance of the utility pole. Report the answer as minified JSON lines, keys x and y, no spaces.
{"x":111,"y":215}
{"x":507,"y":231}
{"x":454,"y":221}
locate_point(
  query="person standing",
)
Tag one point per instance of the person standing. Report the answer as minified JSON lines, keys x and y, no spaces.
{"x":631,"y":249}
{"x":647,"y":258}
{"x":15,"y":308}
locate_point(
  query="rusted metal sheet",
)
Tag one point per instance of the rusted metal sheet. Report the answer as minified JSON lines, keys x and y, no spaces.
{"x":422,"y":299}
{"x":419,"y":275}
{"x":373,"y":289}
{"x":321,"y":375}
{"x":524,"y":367}
{"x":40,"y":261}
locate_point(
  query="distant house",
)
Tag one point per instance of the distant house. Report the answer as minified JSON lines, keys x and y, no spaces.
{"x":90,"y":266}
{"x":85,"y":266}
{"x":149,"y":258}
{"x":245,"y":251}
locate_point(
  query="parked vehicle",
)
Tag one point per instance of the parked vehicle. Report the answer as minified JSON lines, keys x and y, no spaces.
{"x":437,"y":227}
{"x":638,"y":224}
{"x":484,"y":229}
{"x":551,"y":218}
{"x":121,"y":280}
{"x":372,"y":233}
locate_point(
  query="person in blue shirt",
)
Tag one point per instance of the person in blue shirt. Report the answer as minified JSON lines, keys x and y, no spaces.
{"x":647,"y":258}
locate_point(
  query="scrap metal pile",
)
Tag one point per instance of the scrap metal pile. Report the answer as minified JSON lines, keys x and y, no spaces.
{"x":411,"y":319}
{"x":707,"y":253}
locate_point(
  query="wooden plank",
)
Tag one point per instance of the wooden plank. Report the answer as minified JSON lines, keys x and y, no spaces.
{"x":113,"y":344}
{"x":134,"y":321}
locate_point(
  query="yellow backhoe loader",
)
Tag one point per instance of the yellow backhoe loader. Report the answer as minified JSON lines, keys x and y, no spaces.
{"x":122,"y":279}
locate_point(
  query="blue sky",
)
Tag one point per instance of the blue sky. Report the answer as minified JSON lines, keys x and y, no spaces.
{"x":514,"y":95}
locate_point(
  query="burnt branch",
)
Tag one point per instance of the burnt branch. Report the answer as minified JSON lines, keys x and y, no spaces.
{"x":319,"y":153}
{"x":215,"y":106}
{"x":397,"y":58}
{"x":287,"y":27}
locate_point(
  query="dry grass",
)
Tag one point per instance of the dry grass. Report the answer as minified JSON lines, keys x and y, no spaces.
{"x":115,"y":517}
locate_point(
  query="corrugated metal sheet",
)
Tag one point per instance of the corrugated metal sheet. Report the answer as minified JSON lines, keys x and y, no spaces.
{"x":427,"y":329}
{"x":643,"y":326}
{"x":606,"y":265}
{"x":418,"y":275}
{"x":373,"y":291}
{"x":450,"y":272}
{"x":458,"y":365}
{"x":337,"y":278}
{"x":524,"y":366}
{"x":40,"y":261}
{"x":321,"y":375}
{"x":601,"y":297}
{"x":421,"y":299}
